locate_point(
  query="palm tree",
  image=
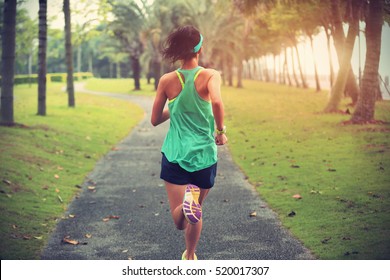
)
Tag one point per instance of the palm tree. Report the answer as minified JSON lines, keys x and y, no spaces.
{"x":8,"y":63}
{"x":366,"y":105}
{"x":42,"y":57}
{"x":69,"y":56}
{"x":130,"y":14}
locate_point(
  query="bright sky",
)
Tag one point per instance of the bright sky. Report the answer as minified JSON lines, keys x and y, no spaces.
{"x":57,"y":21}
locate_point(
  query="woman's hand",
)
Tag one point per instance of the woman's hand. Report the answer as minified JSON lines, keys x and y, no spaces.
{"x":221,"y":139}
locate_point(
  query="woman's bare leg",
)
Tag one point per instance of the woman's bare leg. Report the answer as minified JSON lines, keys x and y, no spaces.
{"x":192,"y":233}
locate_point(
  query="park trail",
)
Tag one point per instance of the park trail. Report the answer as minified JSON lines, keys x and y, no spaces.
{"x":124,"y":214}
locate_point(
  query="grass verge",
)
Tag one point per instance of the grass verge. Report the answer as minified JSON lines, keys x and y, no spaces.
{"x":341,"y":173}
{"x":45,"y":161}
{"x":125,"y":86}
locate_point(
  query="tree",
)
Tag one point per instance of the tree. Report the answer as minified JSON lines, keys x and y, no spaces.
{"x":69,"y":57}
{"x":8,"y":63}
{"x":42,"y":57}
{"x":345,"y":65}
{"x":130,"y":14}
{"x":366,"y":104}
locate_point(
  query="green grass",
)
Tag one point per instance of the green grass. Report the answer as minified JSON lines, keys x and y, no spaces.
{"x":125,"y":86}
{"x":286,"y":147}
{"x":43,"y":161}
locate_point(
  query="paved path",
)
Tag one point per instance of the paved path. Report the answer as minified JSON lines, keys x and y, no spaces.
{"x":128,"y":185}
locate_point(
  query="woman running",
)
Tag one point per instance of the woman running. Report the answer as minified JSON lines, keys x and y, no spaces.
{"x":189,"y":152}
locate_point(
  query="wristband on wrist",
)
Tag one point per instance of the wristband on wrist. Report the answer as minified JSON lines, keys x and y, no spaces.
{"x":220,"y":132}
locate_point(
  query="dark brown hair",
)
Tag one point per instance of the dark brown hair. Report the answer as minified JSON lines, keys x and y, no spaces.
{"x":180,"y":44}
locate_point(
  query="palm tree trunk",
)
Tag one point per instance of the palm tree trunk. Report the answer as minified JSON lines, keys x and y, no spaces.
{"x":8,"y":63}
{"x":266,"y":72}
{"x":239,"y":73}
{"x":285,"y":68}
{"x":42,"y":57}
{"x":318,"y":86}
{"x":342,"y":76}
{"x":230,"y":71}
{"x":136,"y":72}
{"x":351,"y":87}
{"x":365,"y":108}
{"x":303,"y":79}
{"x":331,"y":72}
{"x":68,"y":54}
{"x":293,"y":69}
{"x":79,"y":58}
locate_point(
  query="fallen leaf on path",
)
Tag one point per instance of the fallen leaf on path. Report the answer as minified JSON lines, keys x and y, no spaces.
{"x":91,"y":188}
{"x":38,"y":237}
{"x":72,"y":216}
{"x":297,"y":196}
{"x":67,"y":240}
{"x":88,"y":235}
{"x":106,"y":219}
{"x":125,"y":251}
{"x":253,"y":214}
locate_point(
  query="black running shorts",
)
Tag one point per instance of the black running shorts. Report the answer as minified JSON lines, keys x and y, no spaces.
{"x":174,"y":174}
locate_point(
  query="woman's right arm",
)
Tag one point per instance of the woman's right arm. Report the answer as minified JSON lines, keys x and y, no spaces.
{"x":159,"y":114}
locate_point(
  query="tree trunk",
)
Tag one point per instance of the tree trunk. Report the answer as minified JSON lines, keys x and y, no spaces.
{"x":90,"y":63}
{"x":69,"y":56}
{"x":303,"y":79}
{"x":365,"y":108}
{"x":266,"y":73}
{"x":286,"y":68}
{"x":8,"y":63}
{"x":342,"y":76}
{"x":42,"y":57}
{"x":281,"y":81}
{"x":318,"y":86}
{"x":351,"y":87}
{"x":239,"y":74}
{"x":136,"y":72}
{"x":79,"y":58}
{"x":331,"y":72}
{"x":230,"y":71}
{"x":293,"y":69}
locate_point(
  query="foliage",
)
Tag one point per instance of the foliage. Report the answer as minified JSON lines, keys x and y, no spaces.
{"x":44,"y":161}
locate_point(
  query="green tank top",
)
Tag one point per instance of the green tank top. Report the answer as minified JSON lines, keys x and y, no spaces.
{"x":190,"y":138}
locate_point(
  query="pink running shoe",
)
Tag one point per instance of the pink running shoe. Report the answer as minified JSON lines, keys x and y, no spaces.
{"x":191,"y":208}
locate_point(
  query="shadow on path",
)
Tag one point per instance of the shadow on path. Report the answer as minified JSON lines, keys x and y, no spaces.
{"x":128,"y":186}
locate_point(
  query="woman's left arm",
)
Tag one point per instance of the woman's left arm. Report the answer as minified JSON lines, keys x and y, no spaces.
{"x":159,"y":114}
